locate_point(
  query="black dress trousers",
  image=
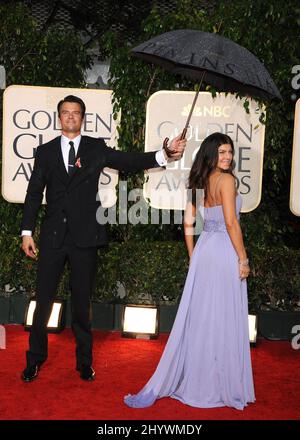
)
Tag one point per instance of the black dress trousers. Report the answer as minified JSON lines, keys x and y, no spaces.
{"x":51,"y":263}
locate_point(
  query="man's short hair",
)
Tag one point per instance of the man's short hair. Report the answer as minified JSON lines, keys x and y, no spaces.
{"x":72,"y":98}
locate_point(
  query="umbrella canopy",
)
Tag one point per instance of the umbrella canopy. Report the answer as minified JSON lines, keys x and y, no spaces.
{"x":225,"y":65}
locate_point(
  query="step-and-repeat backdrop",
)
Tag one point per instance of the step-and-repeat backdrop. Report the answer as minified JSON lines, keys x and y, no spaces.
{"x":30,"y":119}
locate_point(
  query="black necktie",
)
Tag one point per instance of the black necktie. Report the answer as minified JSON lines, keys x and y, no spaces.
{"x":71,"y":160}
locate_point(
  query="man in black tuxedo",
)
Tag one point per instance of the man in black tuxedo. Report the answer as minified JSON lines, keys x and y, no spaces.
{"x":69,"y":167}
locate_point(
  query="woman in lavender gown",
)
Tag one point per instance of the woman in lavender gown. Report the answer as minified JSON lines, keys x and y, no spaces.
{"x":206,"y":362}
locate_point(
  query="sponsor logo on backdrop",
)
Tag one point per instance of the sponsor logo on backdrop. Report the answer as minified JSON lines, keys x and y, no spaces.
{"x":30,"y":119}
{"x":167,"y":112}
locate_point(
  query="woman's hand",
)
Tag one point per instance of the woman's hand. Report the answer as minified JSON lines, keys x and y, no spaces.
{"x":244,"y":268}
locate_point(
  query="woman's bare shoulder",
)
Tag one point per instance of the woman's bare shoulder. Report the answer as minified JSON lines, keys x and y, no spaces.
{"x":227,"y":181}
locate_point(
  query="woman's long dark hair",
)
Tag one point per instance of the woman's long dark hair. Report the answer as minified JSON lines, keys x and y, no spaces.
{"x":206,"y":161}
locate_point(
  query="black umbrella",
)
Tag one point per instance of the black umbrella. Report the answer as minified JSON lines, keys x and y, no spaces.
{"x":211,"y":58}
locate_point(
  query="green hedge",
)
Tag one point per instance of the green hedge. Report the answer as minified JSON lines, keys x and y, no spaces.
{"x":155,"y":272}
{"x":274,"y":283}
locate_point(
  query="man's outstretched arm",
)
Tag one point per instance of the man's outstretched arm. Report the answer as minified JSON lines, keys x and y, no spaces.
{"x":132,"y":162}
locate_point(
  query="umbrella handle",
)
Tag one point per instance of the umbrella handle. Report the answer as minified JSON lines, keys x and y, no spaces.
{"x":165,"y":147}
{"x":166,"y":141}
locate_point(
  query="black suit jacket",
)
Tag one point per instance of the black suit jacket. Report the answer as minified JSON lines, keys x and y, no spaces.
{"x":72,"y":200}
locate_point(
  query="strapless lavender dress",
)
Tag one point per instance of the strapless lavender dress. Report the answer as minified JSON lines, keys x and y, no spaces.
{"x":206,"y":362}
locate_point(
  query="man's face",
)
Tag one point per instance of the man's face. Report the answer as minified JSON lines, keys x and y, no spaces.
{"x":70,"y":117}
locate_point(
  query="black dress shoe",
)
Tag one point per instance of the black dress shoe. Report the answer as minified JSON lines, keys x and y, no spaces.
{"x":30,"y":373}
{"x":87,"y":373}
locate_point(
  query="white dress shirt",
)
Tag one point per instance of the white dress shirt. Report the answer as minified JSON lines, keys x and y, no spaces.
{"x":160,"y":158}
{"x":65,"y":148}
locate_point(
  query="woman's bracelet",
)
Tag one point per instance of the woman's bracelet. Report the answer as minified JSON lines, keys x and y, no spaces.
{"x":244,"y":262}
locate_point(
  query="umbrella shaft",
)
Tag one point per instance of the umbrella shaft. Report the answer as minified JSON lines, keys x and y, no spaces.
{"x":193,"y":106}
{"x":190,"y":115}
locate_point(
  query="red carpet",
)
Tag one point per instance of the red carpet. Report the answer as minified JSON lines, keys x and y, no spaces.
{"x":124,"y":365}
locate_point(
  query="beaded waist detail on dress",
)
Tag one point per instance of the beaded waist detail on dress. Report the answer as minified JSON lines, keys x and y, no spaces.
{"x":214,"y":226}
